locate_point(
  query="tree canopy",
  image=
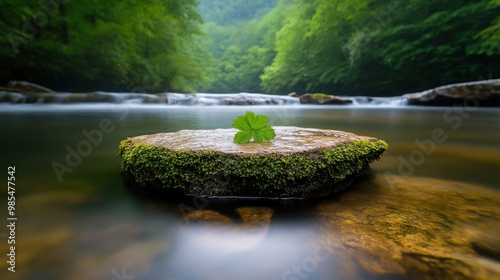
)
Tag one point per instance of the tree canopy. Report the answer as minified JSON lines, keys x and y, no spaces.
{"x":108,"y":45}
{"x":355,"y":47}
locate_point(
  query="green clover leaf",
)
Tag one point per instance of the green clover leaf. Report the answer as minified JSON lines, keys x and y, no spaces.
{"x":253,"y":127}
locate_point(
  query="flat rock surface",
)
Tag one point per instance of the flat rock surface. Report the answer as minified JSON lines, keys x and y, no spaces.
{"x":289,"y":140}
{"x":298,"y":163}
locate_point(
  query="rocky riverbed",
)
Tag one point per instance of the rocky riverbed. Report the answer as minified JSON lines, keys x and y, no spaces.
{"x":386,"y":227}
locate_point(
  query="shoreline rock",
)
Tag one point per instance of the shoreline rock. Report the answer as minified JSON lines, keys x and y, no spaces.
{"x":323,"y":99}
{"x":25,"y":87}
{"x":299,"y":163}
{"x":482,"y":93}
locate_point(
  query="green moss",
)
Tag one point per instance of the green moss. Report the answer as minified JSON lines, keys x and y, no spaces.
{"x":317,"y":96}
{"x":217,"y":174}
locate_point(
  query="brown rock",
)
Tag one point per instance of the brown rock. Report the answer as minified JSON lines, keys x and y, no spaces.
{"x":25,"y":87}
{"x":418,"y":228}
{"x":482,"y":93}
{"x":322,"y":98}
{"x":255,"y":216}
{"x":209,"y":216}
{"x":246,"y":217}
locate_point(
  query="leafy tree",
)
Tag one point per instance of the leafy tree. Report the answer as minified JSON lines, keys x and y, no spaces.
{"x":366,"y":47}
{"x":383,"y":47}
{"x":231,"y":12}
{"x":108,"y":45}
{"x":490,"y":36}
{"x":243,"y":49}
{"x":425,"y":45}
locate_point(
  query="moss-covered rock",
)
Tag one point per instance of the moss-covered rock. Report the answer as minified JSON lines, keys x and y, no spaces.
{"x":300,"y":162}
{"x":323,"y":98}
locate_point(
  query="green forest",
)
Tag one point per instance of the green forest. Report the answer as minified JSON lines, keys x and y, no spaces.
{"x":355,"y":47}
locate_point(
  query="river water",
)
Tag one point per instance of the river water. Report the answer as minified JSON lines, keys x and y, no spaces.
{"x":85,"y":222}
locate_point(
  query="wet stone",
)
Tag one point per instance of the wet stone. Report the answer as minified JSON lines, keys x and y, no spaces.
{"x":298,"y":163}
{"x":418,"y":228}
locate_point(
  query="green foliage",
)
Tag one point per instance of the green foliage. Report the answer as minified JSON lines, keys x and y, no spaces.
{"x":384,"y":47}
{"x":356,"y":47}
{"x":144,"y":46}
{"x":227,"y":12}
{"x":490,"y":36}
{"x":253,"y":127}
{"x":243,"y":47}
{"x":216,"y":174}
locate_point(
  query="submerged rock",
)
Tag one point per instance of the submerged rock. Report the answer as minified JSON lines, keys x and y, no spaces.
{"x":300,"y":162}
{"x":417,"y":228}
{"x":322,"y":98}
{"x":384,"y":227}
{"x":473,"y":94}
{"x":247,"y":217}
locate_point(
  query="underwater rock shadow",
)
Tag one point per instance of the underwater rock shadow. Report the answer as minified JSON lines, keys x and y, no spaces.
{"x":285,"y":210}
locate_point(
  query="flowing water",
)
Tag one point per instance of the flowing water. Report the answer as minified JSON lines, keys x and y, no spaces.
{"x":83,"y":221}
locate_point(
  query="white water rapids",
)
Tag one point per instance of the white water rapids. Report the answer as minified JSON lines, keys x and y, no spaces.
{"x":193,"y":99}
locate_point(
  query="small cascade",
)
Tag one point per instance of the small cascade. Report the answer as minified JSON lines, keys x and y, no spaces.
{"x":369,"y":101}
{"x":181,"y":99}
{"x":194,"y":99}
{"x":485,"y":93}
{"x":230,"y":99}
{"x":68,"y":98}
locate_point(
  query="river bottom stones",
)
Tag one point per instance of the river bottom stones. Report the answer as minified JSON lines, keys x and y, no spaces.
{"x":416,"y":228}
{"x":384,"y":227}
{"x":299,"y":163}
